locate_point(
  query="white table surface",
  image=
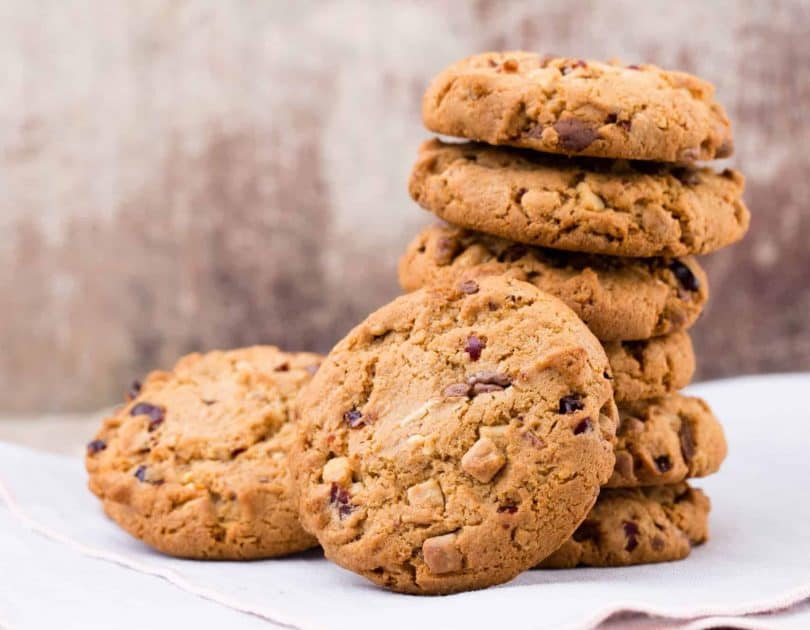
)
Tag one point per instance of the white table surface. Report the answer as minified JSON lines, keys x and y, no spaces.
{"x":62,"y":564}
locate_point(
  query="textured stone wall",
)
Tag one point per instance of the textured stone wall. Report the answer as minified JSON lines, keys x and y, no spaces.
{"x":190,"y":175}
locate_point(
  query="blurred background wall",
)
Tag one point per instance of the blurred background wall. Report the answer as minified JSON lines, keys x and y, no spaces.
{"x":190,"y":175}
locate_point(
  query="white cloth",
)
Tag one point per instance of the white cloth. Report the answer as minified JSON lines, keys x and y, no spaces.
{"x":758,"y":558}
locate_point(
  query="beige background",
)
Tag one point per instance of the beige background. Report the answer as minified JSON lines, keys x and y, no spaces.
{"x":184,"y":175}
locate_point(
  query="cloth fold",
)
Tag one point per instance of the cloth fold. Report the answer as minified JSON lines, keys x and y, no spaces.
{"x":758,"y":558}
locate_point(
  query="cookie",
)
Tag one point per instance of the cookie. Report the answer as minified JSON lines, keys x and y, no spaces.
{"x":666,"y":440}
{"x":618,"y":208}
{"x":650,"y":367}
{"x":618,"y":298}
{"x":577,"y":107}
{"x":195,"y":463}
{"x":454,"y":438}
{"x":640,"y":526}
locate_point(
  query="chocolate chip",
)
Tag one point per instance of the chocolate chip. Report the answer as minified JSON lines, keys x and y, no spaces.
{"x":663,"y":463}
{"x":687,"y":441}
{"x":341,"y":499}
{"x":684,"y":275}
{"x":473,"y":347}
{"x":657,"y":543}
{"x":284,"y":367}
{"x":627,"y":125}
{"x":457,"y":390}
{"x":140,"y":473}
{"x":607,"y":375}
{"x":237,"y":452}
{"x":588,"y":530}
{"x":631,"y":533}
{"x":95,"y":446}
{"x":574,"y":134}
{"x":155,"y":412}
{"x":134,"y":390}
{"x":582,"y":426}
{"x":571,"y":403}
{"x":354,"y":419}
{"x":509,"y":508}
{"x":469,"y":287}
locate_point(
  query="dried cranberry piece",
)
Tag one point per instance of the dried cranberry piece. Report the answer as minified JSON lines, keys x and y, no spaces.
{"x":687,"y":441}
{"x":631,"y":533}
{"x":354,"y":419}
{"x":96,"y":446}
{"x":663,"y":463}
{"x":469,"y":287}
{"x":571,"y":403}
{"x":684,"y":275}
{"x":473,"y":347}
{"x":341,"y":499}
{"x":582,"y":426}
{"x":134,"y":390}
{"x":589,"y":530}
{"x":574,"y":134}
{"x":156,"y":413}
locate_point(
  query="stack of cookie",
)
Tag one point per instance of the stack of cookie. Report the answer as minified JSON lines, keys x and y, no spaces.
{"x":612,"y":234}
{"x":467,"y":431}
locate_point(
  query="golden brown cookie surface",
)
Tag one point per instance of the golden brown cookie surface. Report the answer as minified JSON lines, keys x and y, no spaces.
{"x":666,"y":440}
{"x":641,"y":526}
{"x":618,"y":208}
{"x":618,"y":298}
{"x":195,"y":463}
{"x":455,"y":437}
{"x":649,"y":368}
{"x":578,"y":107}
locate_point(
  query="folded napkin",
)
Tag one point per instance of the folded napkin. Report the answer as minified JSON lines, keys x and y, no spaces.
{"x":758,"y":558}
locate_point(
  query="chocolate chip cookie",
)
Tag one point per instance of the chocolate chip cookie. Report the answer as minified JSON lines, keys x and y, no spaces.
{"x":655,"y":524}
{"x":618,"y":298}
{"x":195,"y":463}
{"x":617,"y":208}
{"x":578,"y":107}
{"x":650,"y":367}
{"x":666,"y":440}
{"x":455,"y":438}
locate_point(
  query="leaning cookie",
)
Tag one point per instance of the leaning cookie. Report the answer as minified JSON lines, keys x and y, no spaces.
{"x":645,"y":525}
{"x":578,"y":107}
{"x":455,"y":438}
{"x":618,"y":208}
{"x":195,"y":463}
{"x":666,"y":440}
{"x":618,"y":298}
